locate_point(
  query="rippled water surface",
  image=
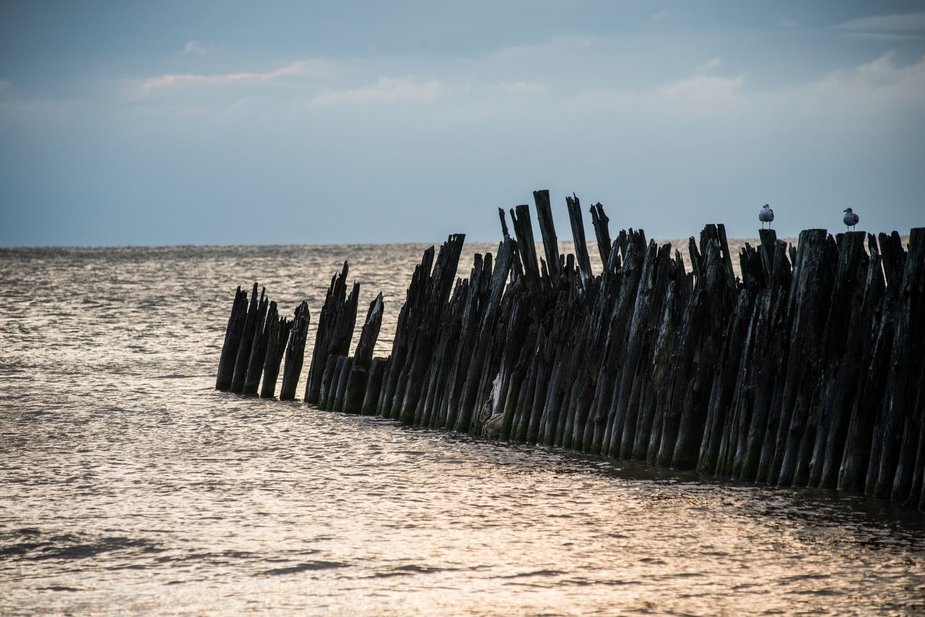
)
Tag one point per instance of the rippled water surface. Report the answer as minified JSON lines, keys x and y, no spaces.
{"x":129,"y":485}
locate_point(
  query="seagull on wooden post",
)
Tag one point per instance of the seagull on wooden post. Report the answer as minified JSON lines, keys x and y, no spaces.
{"x":850,"y":219}
{"x":766,"y":215}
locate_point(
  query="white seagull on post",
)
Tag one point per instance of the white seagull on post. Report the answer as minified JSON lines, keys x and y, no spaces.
{"x":766,"y":215}
{"x":850,"y":219}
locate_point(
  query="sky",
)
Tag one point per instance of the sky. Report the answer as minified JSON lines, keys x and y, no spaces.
{"x":277,"y":122}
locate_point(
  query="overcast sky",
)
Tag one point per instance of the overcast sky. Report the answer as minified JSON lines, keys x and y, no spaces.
{"x":234,"y":122}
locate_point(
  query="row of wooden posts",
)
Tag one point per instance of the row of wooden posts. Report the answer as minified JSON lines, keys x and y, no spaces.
{"x":808,"y":370}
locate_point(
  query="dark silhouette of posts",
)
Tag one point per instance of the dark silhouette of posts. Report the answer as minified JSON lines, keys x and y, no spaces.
{"x":806,"y":368}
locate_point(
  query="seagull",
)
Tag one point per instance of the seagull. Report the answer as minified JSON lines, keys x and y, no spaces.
{"x":851,"y":219}
{"x":766,"y":215}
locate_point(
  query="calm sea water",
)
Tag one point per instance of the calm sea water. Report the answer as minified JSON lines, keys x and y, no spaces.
{"x":128,"y":485}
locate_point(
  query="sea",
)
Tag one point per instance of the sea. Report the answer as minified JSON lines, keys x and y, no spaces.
{"x":130,"y":486}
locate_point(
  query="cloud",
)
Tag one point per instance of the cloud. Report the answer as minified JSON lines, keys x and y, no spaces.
{"x":386,"y":90}
{"x":661,"y":15}
{"x":879,"y":90}
{"x":703,"y":88}
{"x":555,"y":46}
{"x":885,"y":27}
{"x":710,"y":65}
{"x":195,"y":48}
{"x":879,"y":75}
{"x":788,"y":23}
{"x":519,"y":87}
{"x":5,"y":85}
{"x":301,"y":68}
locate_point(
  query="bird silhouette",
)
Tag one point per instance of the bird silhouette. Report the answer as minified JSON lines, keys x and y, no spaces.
{"x":766,"y":215}
{"x":850,"y":219}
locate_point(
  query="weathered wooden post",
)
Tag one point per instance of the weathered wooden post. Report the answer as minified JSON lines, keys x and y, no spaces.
{"x":429,"y":409}
{"x":433,"y":304}
{"x":328,"y":377}
{"x":247,"y":340}
{"x":547,"y":231}
{"x":874,"y":338}
{"x":377,"y":371}
{"x":809,"y":301}
{"x":891,"y":474}
{"x":482,"y":277}
{"x":233,"y":333}
{"x":277,"y":336}
{"x":765,"y":374}
{"x":612,"y":319}
{"x":258,"y":351}
{"x":578,"y":235}
{"x":330,"y":335}
{"x":627,"y":400}
{"x":481,"y":338}
{"x":601,"y":232}
{"x":343,"y":376}
{"x":356,"y":384}
{"x":295,"y":352}
{"x":404,"y":336}
{"x":711,"y":312}
{"x":841,"y":361}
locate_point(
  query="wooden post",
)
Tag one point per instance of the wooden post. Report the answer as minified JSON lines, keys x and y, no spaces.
{"x":247,"y":340}
{"x":916,"y":496}
{"x":343,"y":376}
{"x":377,"y":371}
{"x":276,"y":343}
{"x":482,"y":336}
{"x":842,"y":359}
{"x":429,"y":409}
{"x":732,"y":370}
{"x":233,"y":333}
{"x":548,"y":231}
{"x":370,"y":333}
{"x":708,"y":314}
{"x":809,"y":298}
{"x":481,"y":278}
{"x":871,"y":378}
{"x":325,"y":343}
{"x":356,"y":384}
{"x":328,"y":380}
{"x":258,"y":351}
{"x":768,"y":366}
{"x":601,"y":232}
{"x":578,"y":235}
{"x":899,"y":436}
{"x":621,"y":415}
{"x":392,"y":386}
{"x":433,"y":304}
{"x":526,"y":245}
{"x":295,"y":352}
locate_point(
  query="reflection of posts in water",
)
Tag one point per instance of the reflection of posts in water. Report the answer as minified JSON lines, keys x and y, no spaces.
{"x":807,"y":369}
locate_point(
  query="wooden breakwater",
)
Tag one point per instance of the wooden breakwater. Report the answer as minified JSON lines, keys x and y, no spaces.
{"x":807,"y":370}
